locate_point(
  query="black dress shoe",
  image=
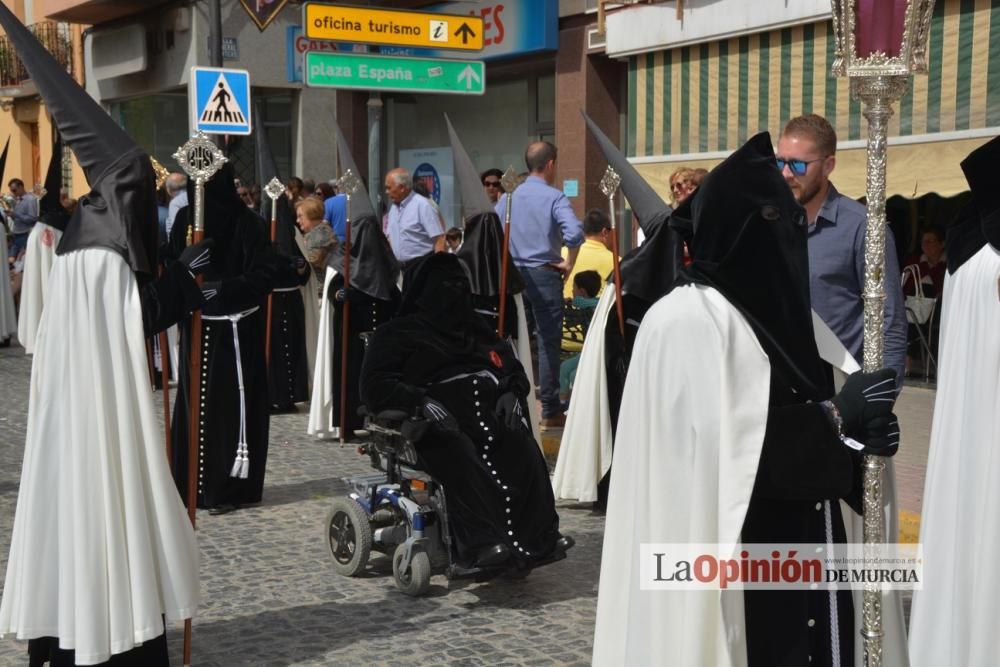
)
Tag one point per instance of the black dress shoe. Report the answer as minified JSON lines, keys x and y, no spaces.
{"x":5,"y":342}
{"x":565,"y":543}
{"x":223,"y":509}
{"x":496,"y":554}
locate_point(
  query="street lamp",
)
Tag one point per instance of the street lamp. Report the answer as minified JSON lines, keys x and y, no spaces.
{"x":879,"y":44}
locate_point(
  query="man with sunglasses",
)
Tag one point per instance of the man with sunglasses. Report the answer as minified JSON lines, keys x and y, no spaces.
{"x":806,"y":156}
{"x":491,"y":183}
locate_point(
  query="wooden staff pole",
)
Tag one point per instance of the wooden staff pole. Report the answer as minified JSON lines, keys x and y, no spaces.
{"x":200,"y":159}
{"x":348,"y":184}
{"x":273,"y":190}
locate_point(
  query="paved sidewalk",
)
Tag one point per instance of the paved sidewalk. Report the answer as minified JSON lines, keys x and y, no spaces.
{"x":270,"y":595}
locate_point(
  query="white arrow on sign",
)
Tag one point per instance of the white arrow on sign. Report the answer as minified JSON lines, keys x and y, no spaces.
{"x":468,"y":75}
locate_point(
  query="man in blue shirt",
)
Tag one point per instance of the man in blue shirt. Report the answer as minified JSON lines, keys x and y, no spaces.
{"x":414,"y":228}
{"x":23,"y":216}
{"x":335,"y":212}
{"x":542,"y":221}
{"x":806,"y":156}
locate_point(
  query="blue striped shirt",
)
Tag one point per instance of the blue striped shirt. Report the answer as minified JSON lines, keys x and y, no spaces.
{"x":541,"y":222}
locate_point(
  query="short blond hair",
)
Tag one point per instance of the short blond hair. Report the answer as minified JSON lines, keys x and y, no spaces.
{"x":311,"y":208}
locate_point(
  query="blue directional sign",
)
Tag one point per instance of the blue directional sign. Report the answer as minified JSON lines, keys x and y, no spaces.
{"x":220,"y":100}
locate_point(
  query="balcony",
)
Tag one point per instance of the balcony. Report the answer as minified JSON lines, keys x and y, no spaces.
{"x":92,"y":12}
{"x":55,"y":37}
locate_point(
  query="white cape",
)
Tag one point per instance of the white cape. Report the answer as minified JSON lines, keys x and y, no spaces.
{"x":585,"y":448}
{"x":719,"y":389}
{"x":954,"y":617}
{"x":321,"y":401}
{"x":38,"y":256}
{"x":8,"y":318}
{"x":102,"y":546}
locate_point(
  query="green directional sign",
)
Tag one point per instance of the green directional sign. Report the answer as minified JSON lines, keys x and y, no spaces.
{"x":394,"y":73}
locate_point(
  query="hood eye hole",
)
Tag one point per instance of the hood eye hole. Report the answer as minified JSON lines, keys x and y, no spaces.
{"x":770,"y":212}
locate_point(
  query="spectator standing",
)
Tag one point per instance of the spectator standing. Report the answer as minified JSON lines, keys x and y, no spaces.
{"x":543,"y":221}
{"x":176,"y":186}
{"x":595,"y":253}
{"x":335,"y":213}
{"x":245,"y":196}
{"x":23,"y":215}
{"x":683,"y":183}
{"x":807,"y":156}
{"x":491,"y":184}
{"x":414,"y":227}
{"x":453,"y":239}
{"x":294,"y":190}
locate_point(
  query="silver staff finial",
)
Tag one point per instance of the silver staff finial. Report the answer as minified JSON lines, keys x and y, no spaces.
{"x":349,"y":183}
{"x":274,"y":188}
{"x":610,"y":182}
{"x":509,"y":180}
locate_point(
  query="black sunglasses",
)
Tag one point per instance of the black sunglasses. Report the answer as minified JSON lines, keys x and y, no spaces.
{"x":491,"y":184}
{"x":798,"y":167}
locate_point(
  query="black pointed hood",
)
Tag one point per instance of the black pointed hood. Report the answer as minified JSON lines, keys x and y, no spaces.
{"x":3,"y":159}
{"x":650,"y":270}
{"x":374,"y":269}
{"x":50,"y":208}
{"x":749,"y":242}
{"x":361,"y":203}
{"x":978,"y":223}
{"x":648,"y":207}
{"x":119,"y":213}
{"x":482,"y":242}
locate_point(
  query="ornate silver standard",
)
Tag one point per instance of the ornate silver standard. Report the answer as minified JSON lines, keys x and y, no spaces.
{"x":509,"y":183}
{"x":609,"y":186}
{"x":348,"y":184}
{"x":200,"y":159}
{"x":878,"y":54}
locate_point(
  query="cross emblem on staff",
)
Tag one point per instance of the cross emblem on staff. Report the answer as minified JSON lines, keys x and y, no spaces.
{"x":349,"y":183}
{"x":200,"y":158}
{"x":610,"y":182}
{"x":273,"y":189}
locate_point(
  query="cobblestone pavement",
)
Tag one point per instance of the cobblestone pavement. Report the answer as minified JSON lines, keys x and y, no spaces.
{"x":270,"y":595}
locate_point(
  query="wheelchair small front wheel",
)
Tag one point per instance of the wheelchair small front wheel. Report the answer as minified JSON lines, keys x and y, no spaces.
{"x":349,"y":536}
{"x":417,"y":578}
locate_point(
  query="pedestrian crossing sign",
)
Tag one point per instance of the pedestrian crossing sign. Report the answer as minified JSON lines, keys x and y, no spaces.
{"x":220,"y":100}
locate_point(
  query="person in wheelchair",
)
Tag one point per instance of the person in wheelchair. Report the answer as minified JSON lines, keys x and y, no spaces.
{"x":440,"y":361}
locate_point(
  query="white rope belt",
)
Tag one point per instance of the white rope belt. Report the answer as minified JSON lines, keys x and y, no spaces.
{"x":834,"y":615}
{"x":483,"y":374}
{"x":285,"y":289}
{"x":241,"y":466}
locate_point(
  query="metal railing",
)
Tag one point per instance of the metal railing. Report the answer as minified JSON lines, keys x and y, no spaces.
{"x":55,"y":37}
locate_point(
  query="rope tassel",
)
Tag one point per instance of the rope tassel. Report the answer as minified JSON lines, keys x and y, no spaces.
{"x":241,"y":466}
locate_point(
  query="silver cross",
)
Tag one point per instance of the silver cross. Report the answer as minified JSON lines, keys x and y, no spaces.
{"x":349,"y":183}
{"x":509,"y":180}
{"x":610,"y":182}
{"x":274,"y":189}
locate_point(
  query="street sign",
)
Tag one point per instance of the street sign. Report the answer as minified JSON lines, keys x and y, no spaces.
{"x":219,"y":100}
{"x":399,"y":28}
{"x":414,"y":75}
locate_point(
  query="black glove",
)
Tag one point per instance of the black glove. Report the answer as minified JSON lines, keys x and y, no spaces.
{"x":350,"y":294}
{"x":864,"y":397}
{"x":210,"y":289}
{"x":881,"y":436}
{"x":299,"y":264}
{"x":197,"y":256}
{"x":436,"y":413}
{"x":510,"y":410}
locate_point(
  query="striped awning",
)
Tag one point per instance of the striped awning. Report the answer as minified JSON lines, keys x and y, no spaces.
{"x":695,"y":104}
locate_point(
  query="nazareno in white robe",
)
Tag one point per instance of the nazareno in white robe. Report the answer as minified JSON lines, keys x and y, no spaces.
{"x":954,"y":617}
{"x":102,"y":546}
{"x":720,"y":395}
{"x":39,"y":254}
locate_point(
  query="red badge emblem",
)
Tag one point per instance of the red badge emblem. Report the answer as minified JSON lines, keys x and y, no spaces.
{"x":495,"y":359}
{"x":48,"y":238}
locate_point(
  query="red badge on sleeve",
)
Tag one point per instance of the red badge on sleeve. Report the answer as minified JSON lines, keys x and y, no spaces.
{"x":495,"y":359}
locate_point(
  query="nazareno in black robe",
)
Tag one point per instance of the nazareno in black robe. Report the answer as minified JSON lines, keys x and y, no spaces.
{"x":495,"y":477}
{"x":244,"y":269}
{"x":374,"y":300}
{"x":288,"y":371}
{"x":749,"y":243}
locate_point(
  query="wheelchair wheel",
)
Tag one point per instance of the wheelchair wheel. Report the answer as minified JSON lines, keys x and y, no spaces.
{"x":417,"y":578}
{"x":349,"y":536}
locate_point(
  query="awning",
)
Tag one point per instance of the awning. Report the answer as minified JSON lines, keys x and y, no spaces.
{"x":913,"y":169}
